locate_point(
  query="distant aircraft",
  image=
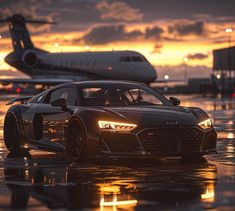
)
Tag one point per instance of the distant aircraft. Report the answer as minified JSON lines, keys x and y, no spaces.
{"x":54,"y":68}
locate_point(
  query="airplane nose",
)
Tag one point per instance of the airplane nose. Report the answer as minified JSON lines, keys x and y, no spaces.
{"x":12,"y":58}
{"x":153,"y":74}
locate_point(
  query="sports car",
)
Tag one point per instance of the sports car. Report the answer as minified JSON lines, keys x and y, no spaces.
{"x":107,"y":119}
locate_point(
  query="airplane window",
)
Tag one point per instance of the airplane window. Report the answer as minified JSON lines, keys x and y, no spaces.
{"x":121,"y":59}
{"x":137,"y":59}
{"x":127,"y":59}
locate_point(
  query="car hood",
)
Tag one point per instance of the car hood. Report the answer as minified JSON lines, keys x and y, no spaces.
{"x":155,"y":115}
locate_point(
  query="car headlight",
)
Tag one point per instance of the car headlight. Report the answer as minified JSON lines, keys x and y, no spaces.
{"x":205,"y":124}
{"x":116,"y":126}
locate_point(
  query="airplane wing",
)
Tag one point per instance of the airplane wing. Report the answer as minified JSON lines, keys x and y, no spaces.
{"x":42,"y":81}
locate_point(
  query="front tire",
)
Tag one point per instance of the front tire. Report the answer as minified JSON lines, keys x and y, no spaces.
{"x":11,"y":133}
{"x":76,"y":145}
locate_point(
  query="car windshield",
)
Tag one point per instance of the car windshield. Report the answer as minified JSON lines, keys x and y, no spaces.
{"x":121,"y":96}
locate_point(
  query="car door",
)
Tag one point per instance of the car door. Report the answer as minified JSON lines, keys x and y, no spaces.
{"x":52,"y":120}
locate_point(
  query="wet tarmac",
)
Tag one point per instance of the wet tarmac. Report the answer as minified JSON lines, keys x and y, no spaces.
{"x":43,"y":181}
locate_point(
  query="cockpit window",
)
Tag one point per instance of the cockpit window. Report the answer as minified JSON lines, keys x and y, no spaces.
{"x":137,"y":59}
{"x":127,"y":59}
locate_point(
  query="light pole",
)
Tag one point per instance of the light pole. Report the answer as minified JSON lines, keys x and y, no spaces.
{"x":88,"y":48}
{"x":166,"y":77}
{"x":185,"y":60}
{"x":58,"y":47}
{"x":229,"y":31}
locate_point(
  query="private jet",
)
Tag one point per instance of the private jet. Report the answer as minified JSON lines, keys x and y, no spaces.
{"x":54,"y":68}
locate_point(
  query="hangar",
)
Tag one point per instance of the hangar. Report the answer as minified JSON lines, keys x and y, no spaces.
{"x":224,"y":61}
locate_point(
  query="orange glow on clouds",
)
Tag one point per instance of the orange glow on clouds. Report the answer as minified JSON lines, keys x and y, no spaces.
{"x":171,"y":52}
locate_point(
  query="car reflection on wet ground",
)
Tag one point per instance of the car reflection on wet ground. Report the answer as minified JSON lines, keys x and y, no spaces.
{"x":42,"y":181}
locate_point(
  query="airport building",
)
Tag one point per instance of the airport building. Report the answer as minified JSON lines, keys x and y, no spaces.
{"x":224,"y":68}
{"x":224,"y":61}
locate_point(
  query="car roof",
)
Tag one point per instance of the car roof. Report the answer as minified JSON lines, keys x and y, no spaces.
{"x":97,"y":83}
{"x":107,"y":82}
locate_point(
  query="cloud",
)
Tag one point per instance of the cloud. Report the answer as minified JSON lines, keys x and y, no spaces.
{"x":110,"y":33}
{"x":197,"y":56}
{"x":120,"y":11}
{"x":183,"y":28}
{"x":29,"y":9}
{"x":154,"y":32}
{"x":104,"y":34}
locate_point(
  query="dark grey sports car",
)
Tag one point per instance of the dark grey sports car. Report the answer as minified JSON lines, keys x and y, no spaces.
{"x":107,"y":118}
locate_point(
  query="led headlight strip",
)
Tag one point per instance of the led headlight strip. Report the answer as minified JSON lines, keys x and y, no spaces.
{"x":116,"y":126}
{"x":205,"y":124}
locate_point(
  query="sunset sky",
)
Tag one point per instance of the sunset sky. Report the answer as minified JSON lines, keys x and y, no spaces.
{"x":165,"y":31}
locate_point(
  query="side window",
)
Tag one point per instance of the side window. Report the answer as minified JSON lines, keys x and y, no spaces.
{"x":141,"y":95}
{"x":41,"y":98}
{"x":68,"y":93}
{"x":38,"y":99}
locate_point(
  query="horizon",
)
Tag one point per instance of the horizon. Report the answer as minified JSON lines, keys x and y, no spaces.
{"x":159,"y":30}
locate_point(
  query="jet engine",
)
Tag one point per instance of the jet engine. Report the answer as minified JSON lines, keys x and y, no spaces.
{"x":29,"y":58}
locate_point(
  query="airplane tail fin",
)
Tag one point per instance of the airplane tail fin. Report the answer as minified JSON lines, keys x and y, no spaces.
{"x":19,"y":32}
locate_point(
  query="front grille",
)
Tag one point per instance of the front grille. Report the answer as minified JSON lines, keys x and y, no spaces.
{"x":171,"y":140}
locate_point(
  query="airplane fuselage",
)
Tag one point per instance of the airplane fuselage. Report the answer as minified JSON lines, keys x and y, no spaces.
{"x":123,"y":65}
{"x":37,"y":63}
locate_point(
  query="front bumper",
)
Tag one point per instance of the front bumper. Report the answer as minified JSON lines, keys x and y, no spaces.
{"x":159,"y":142}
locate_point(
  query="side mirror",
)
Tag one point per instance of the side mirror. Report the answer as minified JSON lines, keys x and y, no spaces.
{"x":175,"y":101}
{"x":59,"y":102}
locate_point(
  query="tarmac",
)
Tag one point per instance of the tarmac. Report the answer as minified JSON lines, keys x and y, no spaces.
{"x":44,"y":181}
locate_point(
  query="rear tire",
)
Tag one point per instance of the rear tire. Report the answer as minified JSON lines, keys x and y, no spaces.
{"x":11,"y":133}
{"x":76,"y":146}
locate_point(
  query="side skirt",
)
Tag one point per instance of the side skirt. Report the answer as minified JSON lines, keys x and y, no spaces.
{"x":44,"y":144}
